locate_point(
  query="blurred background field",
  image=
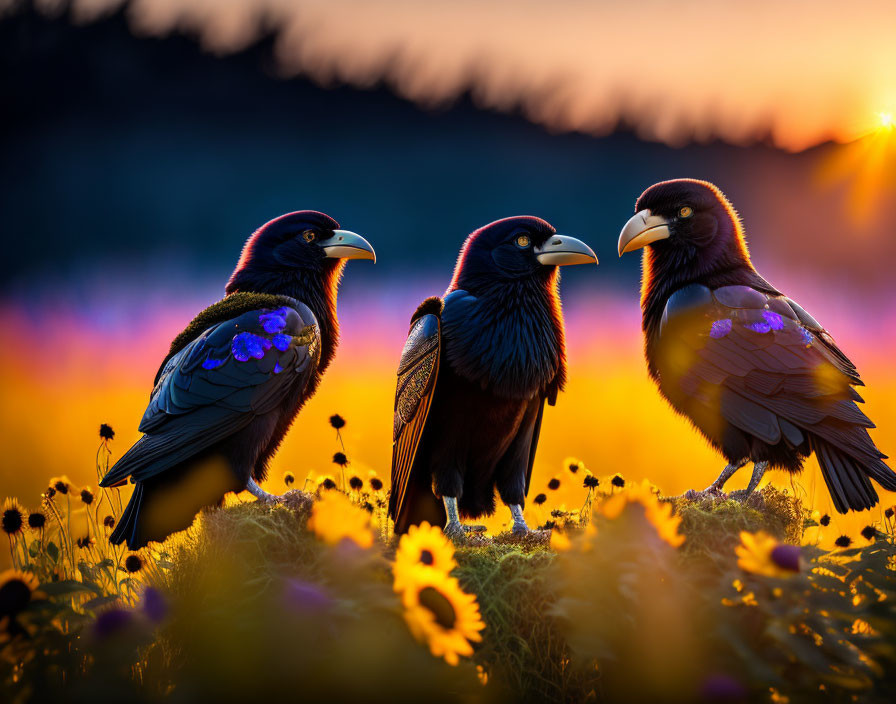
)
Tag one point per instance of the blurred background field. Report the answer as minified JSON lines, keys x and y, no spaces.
{"x":611,"y":416}
{"x":135,"y":162}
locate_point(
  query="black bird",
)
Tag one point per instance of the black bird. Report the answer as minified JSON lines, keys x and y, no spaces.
{"x":753,"y":371}
{"x":236,"y":377}
{"x":475,"y":372}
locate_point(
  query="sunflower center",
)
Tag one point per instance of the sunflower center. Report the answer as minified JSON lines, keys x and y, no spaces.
{"x":440,"y":607}
{"x":426,"y":557}
{"x":12,"y":520}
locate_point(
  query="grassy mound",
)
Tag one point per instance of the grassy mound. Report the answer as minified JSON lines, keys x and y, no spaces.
{"x":250,"y":603}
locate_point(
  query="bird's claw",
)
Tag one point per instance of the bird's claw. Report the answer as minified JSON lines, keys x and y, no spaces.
{"x":454,"y":530}
{"x":458,"y":531}
{"x":520,"y":529}
{"x":269,"y":499}
{"x":710,"y":492}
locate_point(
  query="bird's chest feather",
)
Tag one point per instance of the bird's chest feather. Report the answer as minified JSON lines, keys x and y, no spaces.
{"x":508,"y":347}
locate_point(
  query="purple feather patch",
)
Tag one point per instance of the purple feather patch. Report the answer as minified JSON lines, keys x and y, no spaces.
{"x":773,"y":319}
{"x":278,"y":368}
{"x":720,"y":328}
{"x":760,"y":327}
{"x":212,"y":363}
{"x":281,"y":342}
{"x":247,"y":344}
{"x":274,"y":321}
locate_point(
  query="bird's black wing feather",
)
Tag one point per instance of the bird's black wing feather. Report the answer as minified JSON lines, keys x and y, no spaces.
{"x":418,"y":371}
{"x":216,"y":385}
{"x":765,"y":366}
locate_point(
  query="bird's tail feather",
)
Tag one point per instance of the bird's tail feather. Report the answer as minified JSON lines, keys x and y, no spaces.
{"x":847,"y":478}
{"x":126,"y":530}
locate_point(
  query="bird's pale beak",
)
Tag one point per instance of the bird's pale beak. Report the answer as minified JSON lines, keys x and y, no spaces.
{"x":347,"y":245}
{"x":560,"y":250}
{"x":642,"y":229}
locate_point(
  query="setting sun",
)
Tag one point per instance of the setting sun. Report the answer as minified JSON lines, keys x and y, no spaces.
{"x":887,"y":121}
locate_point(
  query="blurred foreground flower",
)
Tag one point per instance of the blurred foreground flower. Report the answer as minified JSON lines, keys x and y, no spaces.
{"x":106,"y":432}
{"x":16,"y":589}
{"x":423,"y":546}
{"x":658,"y":513}
{"x":761,"y":554}
{"x":440,"y":614}
{"x":334,"y":517}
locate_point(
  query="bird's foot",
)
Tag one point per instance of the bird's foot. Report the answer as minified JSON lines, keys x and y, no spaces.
{"x":710,"y":492}
{"x":520,"y":528}
{"x":458,"y":531}
{"x":454,"y":530}
{"x":260,"y":494}
{"x":741,"y":495}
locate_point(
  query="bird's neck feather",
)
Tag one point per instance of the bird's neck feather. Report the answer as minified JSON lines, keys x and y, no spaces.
{"x":539,"y":296}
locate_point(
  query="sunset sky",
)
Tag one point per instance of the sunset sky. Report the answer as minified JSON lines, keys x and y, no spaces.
{"x":140,"y":144}
{"x":802,"y":71}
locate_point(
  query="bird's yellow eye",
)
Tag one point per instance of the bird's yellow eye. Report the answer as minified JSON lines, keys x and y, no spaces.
{"x":309,"y":235}
{"x":523,"y":241}
{"x":686,"y":212}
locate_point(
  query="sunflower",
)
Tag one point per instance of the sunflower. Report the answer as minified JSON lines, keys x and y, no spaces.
{"x":36,"y":520}
{"x":539,"y":499}
{"x":326,"y":482}
{"x":86,"y":496}
{"x":109,"y":522}
{"x":844,"y":541}
{"x":869,"y":533}
{"x":617,"y":480}
{"x":133,"y":563}
{"x":590,"y":481}
{"x":337,"y":421}
{"x":356,"y":483}
{"x":440,"y":614}
{"x":658,"y":513}
{"x":61,"y":484}
{"x":573,"y":464}
{"x":16,"y":589}
{"x":760,"y":553}
{"x":106,"y":432}
{"x":340,"y":459}
{"x":422,"y":546}
{"x":375,"y":482}
{"x":334,"y":518}
{"x":554,"y":484}
{"x":13,"y":517}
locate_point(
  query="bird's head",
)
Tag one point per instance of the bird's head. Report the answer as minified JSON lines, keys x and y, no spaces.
{"x":686,"y":221}
{"x":304,"y":243}
{"x":515,"y":249}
